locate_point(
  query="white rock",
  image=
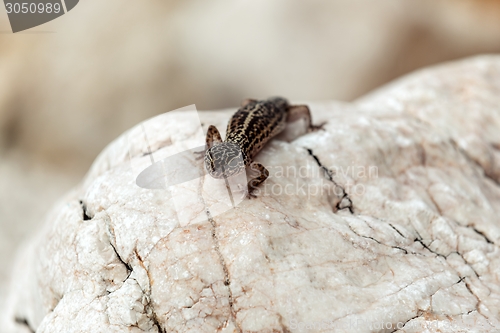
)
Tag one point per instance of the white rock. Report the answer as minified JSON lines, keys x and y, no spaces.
{"x":45,"y":149}
{"x":384,"y":221}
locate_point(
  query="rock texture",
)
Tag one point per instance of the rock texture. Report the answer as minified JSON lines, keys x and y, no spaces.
{"x":385,"y":221}
{"x":147,"y":59}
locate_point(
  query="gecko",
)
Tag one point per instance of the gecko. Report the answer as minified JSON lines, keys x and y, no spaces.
{"x":249,"y":129}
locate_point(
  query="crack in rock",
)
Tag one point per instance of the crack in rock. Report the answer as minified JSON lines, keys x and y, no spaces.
{"x":419,"y":314}
{"x":149,"y":305}
{"x":377,"y":241}
{"x":85,"y":217}
{"x":489,"y":241}
{"x":345,"y":201}
{"x":395,"y":229}
{"x":420,"y":240}
{"x":154,"y":317}
{"x":227,"y":281}
{"x":222,"y":262}
{"x":24,"y":322}
{"x":478,"y":303}
{"x":283,"y":326}
{"x":465,"y":261}
{"x":130,"y":269}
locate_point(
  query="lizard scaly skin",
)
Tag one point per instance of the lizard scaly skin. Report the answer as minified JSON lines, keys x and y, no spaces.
{"x":248,"y":130}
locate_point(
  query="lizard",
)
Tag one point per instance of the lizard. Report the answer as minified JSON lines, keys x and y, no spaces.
{"x":249,"y":129}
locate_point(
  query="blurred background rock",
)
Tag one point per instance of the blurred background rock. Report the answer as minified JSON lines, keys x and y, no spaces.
{"x":69,"y":87}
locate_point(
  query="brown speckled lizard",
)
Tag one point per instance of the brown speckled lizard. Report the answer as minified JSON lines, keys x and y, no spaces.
{"x":248,"y":130}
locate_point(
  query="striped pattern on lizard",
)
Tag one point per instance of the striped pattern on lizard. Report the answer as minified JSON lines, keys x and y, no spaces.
{"x":248,"y":130}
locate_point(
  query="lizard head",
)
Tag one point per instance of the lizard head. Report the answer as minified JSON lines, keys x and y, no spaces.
{"x":224,"y":160}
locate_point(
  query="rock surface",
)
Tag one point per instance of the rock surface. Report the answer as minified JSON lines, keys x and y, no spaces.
{"x":147,"y":59}
{"x":384,"y":221}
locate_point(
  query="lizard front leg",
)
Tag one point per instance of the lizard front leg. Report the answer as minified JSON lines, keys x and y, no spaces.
{"x":296,"y":112}
{"x":213,"y":137}
{"x":255,"y":182}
